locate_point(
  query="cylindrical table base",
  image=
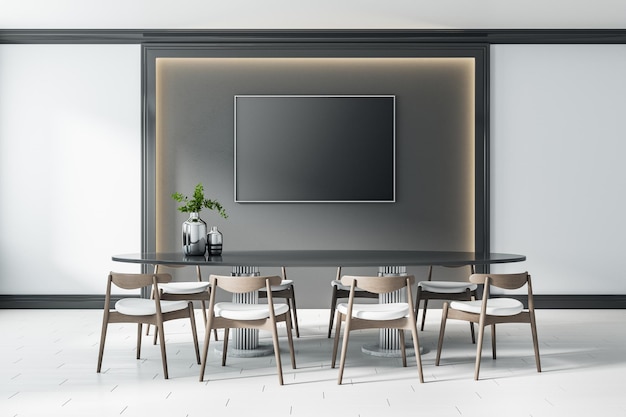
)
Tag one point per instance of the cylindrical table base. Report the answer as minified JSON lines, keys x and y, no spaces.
{"x":376,"y":350}
{"x":259,"y":351}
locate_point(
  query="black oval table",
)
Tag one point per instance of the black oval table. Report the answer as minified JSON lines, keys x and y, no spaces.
{"x":389,"y":262}
{"x":314,"y":258}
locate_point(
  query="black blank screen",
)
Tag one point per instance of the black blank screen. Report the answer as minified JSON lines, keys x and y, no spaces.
{"x":314,"y":148}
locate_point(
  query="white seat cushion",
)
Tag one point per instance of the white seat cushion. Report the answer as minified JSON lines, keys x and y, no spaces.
{"x":188,"y":287}
{"x":446,"y":287}
{"x":495,"y":306}
{"x":237,"y":311}
{"x":389,"y":311}
{"x":144,"y":307}
{"x":340,"y":286}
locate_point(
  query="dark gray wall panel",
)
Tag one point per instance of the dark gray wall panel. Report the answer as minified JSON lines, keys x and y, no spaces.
{"x":435,"y":155}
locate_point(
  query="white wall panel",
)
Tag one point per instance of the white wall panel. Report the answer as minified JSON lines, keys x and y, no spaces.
{"x":558,"y":149}
{"x":70,"y":164}
{"x":70,"y":156}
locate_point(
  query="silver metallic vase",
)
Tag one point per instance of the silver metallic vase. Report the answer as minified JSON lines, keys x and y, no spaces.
{"x":194,"y":235}
{"x":215,"y":239}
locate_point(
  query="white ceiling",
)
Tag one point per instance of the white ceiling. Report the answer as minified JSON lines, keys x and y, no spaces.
{"x":313,"y":14}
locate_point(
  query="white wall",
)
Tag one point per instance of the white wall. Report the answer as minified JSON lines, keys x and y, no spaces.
{"x":70,"y":156}
{"x":558,"y":163}
{"x":557,"y":132}
{"x":319,"y":14}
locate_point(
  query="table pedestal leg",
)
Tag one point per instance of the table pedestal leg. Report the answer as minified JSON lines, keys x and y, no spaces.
{"x":389,"y":339}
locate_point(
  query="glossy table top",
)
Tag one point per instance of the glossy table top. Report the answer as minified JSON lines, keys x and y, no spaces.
{"x":321,"y":258}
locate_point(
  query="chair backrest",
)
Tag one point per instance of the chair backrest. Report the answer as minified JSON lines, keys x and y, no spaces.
{"x":378,"y":285}
{"x":504,"y":281}
{"x":243,"y":284}
{"x":159,"y":267}
{"x":133,"y":281}
{"x":470,"y":267}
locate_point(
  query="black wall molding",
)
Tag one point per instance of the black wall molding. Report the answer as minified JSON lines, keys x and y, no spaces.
{"x":425,"y":36}
{"x":55,"y":301}
{"x":555,"y":301}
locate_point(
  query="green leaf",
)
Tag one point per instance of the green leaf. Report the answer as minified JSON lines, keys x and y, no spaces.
{"x":197,"y":202}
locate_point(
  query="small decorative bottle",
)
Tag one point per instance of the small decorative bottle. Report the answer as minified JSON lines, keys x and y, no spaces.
{"x":215,"y":240}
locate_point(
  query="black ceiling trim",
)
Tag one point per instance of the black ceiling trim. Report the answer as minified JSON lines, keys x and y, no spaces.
{"x":434,"y":36}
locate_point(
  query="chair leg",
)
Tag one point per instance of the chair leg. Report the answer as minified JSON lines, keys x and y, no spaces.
{"x":279,"y":365}
{"x":533,"y":329}
{"x":336,"y":342}
{"x":205,"y":347}
{"x":472,"y":298}
{"x":479,"y":348}
{"x":416,"y":305}
{"x":424,"y":313}
{"x":225,"y":346}
{"x":493,"y":341}
{"x":152,"y":298}
{"x":333,"y":306}
{"x":290,"y":340}
{"x":402,"y":347}
{"x":204,"y":317}
{"x":162,"y":343}
{"x":156,"y":328}
{"x":103,"y":336}
{"x":138,"y":340}
{"x":203,"y":307}
{"x":344,"y":349}
{"x":294,"y":311}
{"x":442,"y":330}
{"x":418,"y":355}
{"x":202,"y":302}
{"x":194,"y":332}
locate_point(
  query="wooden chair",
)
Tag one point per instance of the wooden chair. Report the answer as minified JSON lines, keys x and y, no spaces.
{"x":186,"y":291}
{"x":445,"y":290}
{"x":285,"y":290}
{"x":397,"y":315}
{"x":227,"y":315}
{"x":492,"y":311}
{"x":141,"y":310}
{"x":342,"y":291}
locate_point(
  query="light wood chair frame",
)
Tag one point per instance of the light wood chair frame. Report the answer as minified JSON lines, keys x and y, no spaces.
{"x":289,"y":294}
{"x":503,"y":281}
{"x":203,"y":297}
{"x":423,"y":295}
{"x":136,"y":281}
{"x":339,"y":293}
{"x":377,"y":285}
{"x":239,"y":285}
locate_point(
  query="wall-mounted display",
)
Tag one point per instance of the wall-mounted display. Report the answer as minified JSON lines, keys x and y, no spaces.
{"x":315,"y":148}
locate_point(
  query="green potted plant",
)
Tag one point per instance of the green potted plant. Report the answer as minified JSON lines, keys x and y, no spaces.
{"x":194,"y":228}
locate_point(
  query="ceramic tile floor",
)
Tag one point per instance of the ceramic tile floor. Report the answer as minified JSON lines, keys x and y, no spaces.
{"x":48,"y":368}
